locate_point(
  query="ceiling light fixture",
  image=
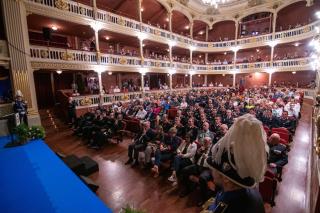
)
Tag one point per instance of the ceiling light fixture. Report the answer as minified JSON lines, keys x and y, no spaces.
{"x":54,"y":28}
{"x":107,"y":38}
{"x":59,"y":72}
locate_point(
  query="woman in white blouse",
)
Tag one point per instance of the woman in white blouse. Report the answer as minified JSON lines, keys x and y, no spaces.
{"x":185,"y":157}
{"x":183,"y":104}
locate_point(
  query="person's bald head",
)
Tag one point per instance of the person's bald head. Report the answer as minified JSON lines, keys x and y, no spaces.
{"x":274,"y":139}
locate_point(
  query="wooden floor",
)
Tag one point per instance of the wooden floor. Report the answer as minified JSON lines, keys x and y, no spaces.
{"x":121,"y":185}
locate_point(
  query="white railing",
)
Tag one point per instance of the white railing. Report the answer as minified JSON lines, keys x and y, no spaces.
{"x":3,"y":49}
{"x":111,"y":18}
{"x":87,"y":100}
{"x":109,"y":59}
{"x":49,"y":54}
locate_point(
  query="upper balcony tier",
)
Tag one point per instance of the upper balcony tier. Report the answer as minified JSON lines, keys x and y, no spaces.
{"x":79,"y":13}
{"x":58,"y":58}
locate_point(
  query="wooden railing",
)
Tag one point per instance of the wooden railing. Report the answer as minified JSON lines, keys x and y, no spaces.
{"x":132,"y":26}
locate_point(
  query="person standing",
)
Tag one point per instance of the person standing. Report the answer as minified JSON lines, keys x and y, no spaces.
{"x":20,"y":106}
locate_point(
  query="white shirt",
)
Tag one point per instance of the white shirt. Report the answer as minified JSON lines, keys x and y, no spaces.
{"x":141,"y":114}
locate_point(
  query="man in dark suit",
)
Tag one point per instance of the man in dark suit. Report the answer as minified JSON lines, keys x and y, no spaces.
{"x":140,"y":143}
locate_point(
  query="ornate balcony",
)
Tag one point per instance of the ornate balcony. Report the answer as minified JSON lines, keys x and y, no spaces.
{"x":75,"y":12}
{"x":57,"y":58}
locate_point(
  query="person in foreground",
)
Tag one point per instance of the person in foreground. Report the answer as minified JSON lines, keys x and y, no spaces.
{"x":238,"y":163}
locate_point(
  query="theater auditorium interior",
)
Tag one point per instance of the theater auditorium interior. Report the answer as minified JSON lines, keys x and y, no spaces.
{"x":149,"y":106}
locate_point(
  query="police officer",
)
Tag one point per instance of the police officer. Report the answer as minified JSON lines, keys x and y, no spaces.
{"x":237,"y":164}
{"x":20,"y":107}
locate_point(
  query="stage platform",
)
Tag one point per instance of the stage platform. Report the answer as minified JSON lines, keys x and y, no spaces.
{"x":33,"y":179}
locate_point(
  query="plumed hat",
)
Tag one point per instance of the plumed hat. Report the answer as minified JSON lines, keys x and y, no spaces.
{"x":241,"y":155}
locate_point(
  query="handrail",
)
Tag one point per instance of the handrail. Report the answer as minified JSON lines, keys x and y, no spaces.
{"x":111,"y":18}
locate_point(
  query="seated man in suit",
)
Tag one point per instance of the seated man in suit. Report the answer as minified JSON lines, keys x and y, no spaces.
{"x":288,"y":122}
{"x":167,"y":149}
{"x":268,"y":119}
{"x":197,"y":172}
{"x":205,"y":132}
{"x":278,"y":154}
{"x":140,"y":143}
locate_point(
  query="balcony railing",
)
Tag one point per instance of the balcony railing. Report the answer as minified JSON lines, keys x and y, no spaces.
{"x":56,"y":55}
{"x":120,"y":22}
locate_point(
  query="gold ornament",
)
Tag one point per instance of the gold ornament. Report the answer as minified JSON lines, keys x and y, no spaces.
{"x":86,"y":101}
{"x":123,"y":61}
{"x":44,"y":53}
{"x":121,"y":21}
{"x":62,"y":5}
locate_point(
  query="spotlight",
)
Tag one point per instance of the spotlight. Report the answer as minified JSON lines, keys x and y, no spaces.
{"x":59,"y":72}
{"x":54,"y":28}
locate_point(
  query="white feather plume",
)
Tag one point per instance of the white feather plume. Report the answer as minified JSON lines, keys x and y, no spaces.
{"x":247,"y":141}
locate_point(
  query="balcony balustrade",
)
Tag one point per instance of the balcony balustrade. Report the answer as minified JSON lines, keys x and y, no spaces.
{"x":130,"y":27}
{"x":53,"y":55}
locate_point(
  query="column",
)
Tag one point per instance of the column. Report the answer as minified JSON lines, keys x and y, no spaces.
{"x":207,"y":38}
{"x":170,"y":20}
{"x":191,"y":56}
{"x":139,"y":11}
{"x":100,"y":81}
{"x":237,"y":29}
{"x":235,"y":58}
{"x":142,"y":83}
{"x":119,"y":80}
{"x":206,"y":80}
{"x":274,"y":22}
{"x":141,"y":47}
{"x":15,"y":22}
{"x":234,"y":79}
{"x":170,"y":53}
{"x":95,"y":10}
{"x":272,"y":54}
{"x":270,"y":79}
{"x":96,"y":27}
{"x":191,"y":29}
{"x":190,"y":80}
{"x":170,"y":81}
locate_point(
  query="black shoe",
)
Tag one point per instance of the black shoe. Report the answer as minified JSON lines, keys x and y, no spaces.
{"x":129,"y":161}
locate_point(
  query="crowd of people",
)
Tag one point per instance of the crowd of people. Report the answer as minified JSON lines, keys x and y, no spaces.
{"x":181,"y":129}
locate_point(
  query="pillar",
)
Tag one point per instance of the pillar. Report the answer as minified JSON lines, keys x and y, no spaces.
{"x":100,"y":81}
{"x":190,"y":81}
{"x":142,"y":83}
{"x":191,"y":29}
{"x":170,"y":53}
{"x":170,"y":81}
{"x":271,"y":56}
{"x":119,"y":80}
{"x":95,"y":10}
{"x":270,"y":79}
{"x":170,"y":20}
{"x":141,"y":47}
{"x":274,"y":22}
{"x":15,"y":21}
{"x":235,"y":58}
{"x":237,"y":29}
{"x":191,"y":56}
{"x":206,"y":80}
{"x":140,"y":13}
{"x":234,"y":80}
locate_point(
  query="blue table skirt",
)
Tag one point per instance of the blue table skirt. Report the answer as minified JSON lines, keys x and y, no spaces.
{"x":33,"y":179}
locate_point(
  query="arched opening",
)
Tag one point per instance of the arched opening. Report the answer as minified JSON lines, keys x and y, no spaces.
{"x":296,"y":15}
{"x":199,"y":30}
{"x":155,"y":14}
{"x":221,"y":31}
{"x":255,"y":24}
{"x":180,"y":23}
